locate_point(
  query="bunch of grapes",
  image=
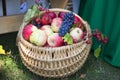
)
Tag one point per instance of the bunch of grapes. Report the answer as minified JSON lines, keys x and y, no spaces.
{"x":68,"y":20}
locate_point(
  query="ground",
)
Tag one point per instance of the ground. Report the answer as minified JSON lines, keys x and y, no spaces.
{"x":11,"y":67}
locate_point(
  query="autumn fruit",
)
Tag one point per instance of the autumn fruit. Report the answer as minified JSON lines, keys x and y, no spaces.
{"x":28,"y":29}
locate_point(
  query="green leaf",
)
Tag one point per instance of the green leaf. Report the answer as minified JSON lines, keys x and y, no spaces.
{"x":74,"y":26}
{"x":2,"y":51}
{"x":67,"y":38}
{"x":97,"y":51}
{"x":32,"y":12}
{"x":35,"y":7}
{"x":102,"y":36}
{"x":28,"y":15}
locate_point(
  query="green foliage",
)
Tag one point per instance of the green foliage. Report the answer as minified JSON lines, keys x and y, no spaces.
{"x":97,"y":51}
{"x":67,"y":38}
{"x":74,"y":26}
{"x":99,"y":41}
{"x":33,"y":11}
{"x":102,"y":36}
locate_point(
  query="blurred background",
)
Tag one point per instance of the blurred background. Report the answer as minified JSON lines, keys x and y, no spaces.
{"x":12,"y":7}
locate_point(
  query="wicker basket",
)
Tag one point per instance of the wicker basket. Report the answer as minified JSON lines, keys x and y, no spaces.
{"x":54,"y":62}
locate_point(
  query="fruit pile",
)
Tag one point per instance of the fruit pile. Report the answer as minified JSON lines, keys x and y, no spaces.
{"x":52,"y":29}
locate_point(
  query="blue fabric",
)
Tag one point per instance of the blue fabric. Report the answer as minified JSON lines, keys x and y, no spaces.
{"x":44,"y":3}
{"x":76,"y":4}
{"x":23,"y":7}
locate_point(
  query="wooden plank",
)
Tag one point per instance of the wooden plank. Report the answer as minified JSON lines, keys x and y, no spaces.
{"x":10,"y":23}
{"x":58,"y":3}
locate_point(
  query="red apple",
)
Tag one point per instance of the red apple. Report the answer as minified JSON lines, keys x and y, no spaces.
{"x":78,"y":21}
{"x":56,"y":23}
{"x":28,"y":29}
{"x":54,"y":40}
{"x":47,"y":17}
{"x":76,"y":34}
{"x":52,"y":14}
{"x":61,"y":14}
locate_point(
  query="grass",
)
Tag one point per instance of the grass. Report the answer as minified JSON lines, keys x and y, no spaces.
{"x":11,"y":67}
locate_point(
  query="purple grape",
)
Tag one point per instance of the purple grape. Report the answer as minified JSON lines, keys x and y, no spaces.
{"x":105,"y":40}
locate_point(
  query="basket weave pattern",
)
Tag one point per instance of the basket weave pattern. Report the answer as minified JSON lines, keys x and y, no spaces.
{"x":53,"y":62}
